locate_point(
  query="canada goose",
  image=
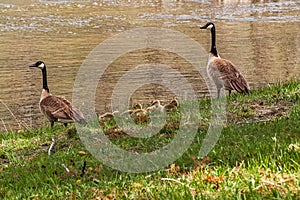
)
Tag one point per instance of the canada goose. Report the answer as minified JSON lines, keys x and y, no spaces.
{"x":108,"y":115}
{"x":137,"y":108}
{"x":172,"y":105}
{"x":155,"y":106}
{"x":223,"y":72}
{"x":139,"y":114}
{"x":56,"y":108}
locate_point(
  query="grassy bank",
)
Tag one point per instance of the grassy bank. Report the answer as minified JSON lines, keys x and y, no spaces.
{"x":256,"y":157}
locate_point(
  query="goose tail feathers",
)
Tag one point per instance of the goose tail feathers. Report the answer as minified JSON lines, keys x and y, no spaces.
{"x":78,"y":116}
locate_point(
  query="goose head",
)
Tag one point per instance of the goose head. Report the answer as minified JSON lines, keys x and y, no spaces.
{"x":38,"y":64}
{"x":138,"y":106}
{"x":209,"y":25}
{"x":155,"y":103}
{"x":174,"y":102}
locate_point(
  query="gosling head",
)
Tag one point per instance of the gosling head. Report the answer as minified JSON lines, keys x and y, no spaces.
{"x":209,"y":25}
{"x":138,"y":106}
{"x":174,"y":102}
{"x":38,"y":64}
{"x":155,"y":103}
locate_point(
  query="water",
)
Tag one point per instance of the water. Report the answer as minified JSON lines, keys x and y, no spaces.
{"x":260,"y":37}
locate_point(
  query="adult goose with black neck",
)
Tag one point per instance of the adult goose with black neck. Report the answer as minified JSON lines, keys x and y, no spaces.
{"x":223,"y":72}
{"x":56,"y":109}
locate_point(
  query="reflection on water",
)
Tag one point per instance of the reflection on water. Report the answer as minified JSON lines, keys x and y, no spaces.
{"x":260,"y":37}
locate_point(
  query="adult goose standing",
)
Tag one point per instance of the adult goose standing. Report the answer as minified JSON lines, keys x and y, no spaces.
{"x":56,"y":109}
{"x":223,"y":72}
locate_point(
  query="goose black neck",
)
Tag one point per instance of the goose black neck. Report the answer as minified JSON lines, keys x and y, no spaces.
{"x":213,"y":49}
{"x":44,"y":73}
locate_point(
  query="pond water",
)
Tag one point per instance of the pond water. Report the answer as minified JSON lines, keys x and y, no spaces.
{"x":261,"y":37}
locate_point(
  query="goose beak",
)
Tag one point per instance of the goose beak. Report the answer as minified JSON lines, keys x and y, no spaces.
{"x":202,"y":27}
{"x":33,"y":65}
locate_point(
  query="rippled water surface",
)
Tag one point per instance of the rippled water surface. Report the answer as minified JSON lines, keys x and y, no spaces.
{"x":260,"y":37}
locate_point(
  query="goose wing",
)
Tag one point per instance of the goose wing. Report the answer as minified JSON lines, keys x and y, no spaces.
{"x":59,"y":108}
{"x":231,"y":77}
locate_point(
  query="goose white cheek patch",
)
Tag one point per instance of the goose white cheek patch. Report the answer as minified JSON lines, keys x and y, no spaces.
{"x":210,"y":26}
{"x":41,"y":66}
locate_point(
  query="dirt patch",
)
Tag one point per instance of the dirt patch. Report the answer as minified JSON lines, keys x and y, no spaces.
{"x":259,"y":111}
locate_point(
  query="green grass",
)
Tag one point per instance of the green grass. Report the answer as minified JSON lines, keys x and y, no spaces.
{"x":256,"y":157}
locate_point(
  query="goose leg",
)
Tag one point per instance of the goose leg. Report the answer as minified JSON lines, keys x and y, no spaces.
{"x":219,"y":89}
{"x":51,"y":124}
{"x":229,"y":92}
